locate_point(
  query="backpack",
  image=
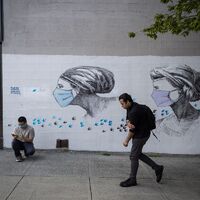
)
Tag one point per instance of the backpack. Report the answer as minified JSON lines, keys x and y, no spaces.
{"x":150,"y":117}
{"x":151,"y":121}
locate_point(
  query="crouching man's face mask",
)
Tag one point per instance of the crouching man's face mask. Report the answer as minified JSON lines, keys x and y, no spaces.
{"x":22,"y":125}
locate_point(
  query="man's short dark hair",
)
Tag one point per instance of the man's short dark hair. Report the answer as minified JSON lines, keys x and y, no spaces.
{"x":22,"y":119}
{"x":126,"y":97}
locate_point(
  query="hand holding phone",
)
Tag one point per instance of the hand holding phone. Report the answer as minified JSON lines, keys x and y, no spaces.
{"x":14,"y":135}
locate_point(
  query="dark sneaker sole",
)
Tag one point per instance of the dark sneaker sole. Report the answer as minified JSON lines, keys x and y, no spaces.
{"x":159,"y":176}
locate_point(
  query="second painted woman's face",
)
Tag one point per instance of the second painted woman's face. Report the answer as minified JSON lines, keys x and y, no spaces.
{"x":164,"y":94}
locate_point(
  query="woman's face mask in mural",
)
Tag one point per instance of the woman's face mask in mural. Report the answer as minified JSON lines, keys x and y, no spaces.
{"x":164,"y":94}
{"x":64,"y":94}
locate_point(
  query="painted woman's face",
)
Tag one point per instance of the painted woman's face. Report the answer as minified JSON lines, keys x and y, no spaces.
{"x":164,"y":94}
{"x":62,"y":84}
{"x":162,"y":84}
{"x":64,"y":93}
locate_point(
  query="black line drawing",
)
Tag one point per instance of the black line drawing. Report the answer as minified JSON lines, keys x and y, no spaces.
{"x":80,"y":86}
{"x":177,"y":86}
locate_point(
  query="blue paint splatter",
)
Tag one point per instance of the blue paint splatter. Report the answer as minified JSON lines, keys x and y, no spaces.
{"x":110,"y":123}
{"x":82,"y":124}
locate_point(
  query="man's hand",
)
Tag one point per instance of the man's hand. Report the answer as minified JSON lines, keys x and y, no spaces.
{"x":130,"y":126}
{"x":125,"y":143}
{"x":14,"y":135}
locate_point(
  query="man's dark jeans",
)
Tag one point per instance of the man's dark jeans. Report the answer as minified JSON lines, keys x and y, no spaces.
{"x":136,"y":154}
{"x":28,"y":147}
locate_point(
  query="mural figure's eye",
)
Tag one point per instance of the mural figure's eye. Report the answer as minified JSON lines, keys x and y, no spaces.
{"x":60,"y":85}
{"x":156,"y":87}
{"x":73,"y":86}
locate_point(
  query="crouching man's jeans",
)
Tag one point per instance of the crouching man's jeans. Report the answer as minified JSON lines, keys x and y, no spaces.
{"x":28,"y":147}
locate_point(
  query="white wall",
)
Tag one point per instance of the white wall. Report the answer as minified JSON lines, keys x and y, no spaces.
{"x":28,"y":84}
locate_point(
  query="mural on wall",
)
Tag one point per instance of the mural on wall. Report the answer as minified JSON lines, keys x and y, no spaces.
{"x":81,"y":103}
{"x":176,"y":87}
{"x":80,"y":86}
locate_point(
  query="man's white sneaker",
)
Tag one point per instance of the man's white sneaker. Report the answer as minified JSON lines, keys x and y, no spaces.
{"x":19,"y":159}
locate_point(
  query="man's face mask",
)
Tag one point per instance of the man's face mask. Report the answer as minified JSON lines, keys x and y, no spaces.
{"x":63,"y":97}
{"x":23,"y":126}
{"x":163,"y":98}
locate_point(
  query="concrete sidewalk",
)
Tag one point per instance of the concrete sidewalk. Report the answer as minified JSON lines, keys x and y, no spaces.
{"x":60,"y":175}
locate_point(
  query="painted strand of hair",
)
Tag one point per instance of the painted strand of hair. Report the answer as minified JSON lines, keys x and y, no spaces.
{"x":80,"y":86}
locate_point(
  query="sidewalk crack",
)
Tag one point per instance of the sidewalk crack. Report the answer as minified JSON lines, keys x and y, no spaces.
{"x":14,"y":188}
{"x":90,"y":188}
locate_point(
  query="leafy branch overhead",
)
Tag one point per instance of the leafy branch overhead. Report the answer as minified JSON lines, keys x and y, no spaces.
{"x":183,"y":17}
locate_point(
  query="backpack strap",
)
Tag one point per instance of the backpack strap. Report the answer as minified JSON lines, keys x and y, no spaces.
{"x":155,"y":135}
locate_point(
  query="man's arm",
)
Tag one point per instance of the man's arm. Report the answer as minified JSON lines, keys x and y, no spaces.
{"x":30,"y":136}
{"x":128,"y":138}
{"x":15,"y":134}
{"x":130,"y":134}
{"x":27,"y":139}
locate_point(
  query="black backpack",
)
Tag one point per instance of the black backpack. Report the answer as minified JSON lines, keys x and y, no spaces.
{"x":150,"y":117}
{"x":151,"y":120}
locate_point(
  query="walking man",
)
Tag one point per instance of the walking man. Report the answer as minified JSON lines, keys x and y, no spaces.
{"x":23,"y":137}
{"x":139,"y":132}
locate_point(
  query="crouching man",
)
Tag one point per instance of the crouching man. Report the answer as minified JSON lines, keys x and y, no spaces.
{"x":23,"y":137}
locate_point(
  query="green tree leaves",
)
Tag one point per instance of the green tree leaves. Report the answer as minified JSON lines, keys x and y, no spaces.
{"x":182,"y":18}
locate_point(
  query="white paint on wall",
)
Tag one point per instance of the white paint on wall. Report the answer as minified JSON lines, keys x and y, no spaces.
{"x":35,"y":78}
